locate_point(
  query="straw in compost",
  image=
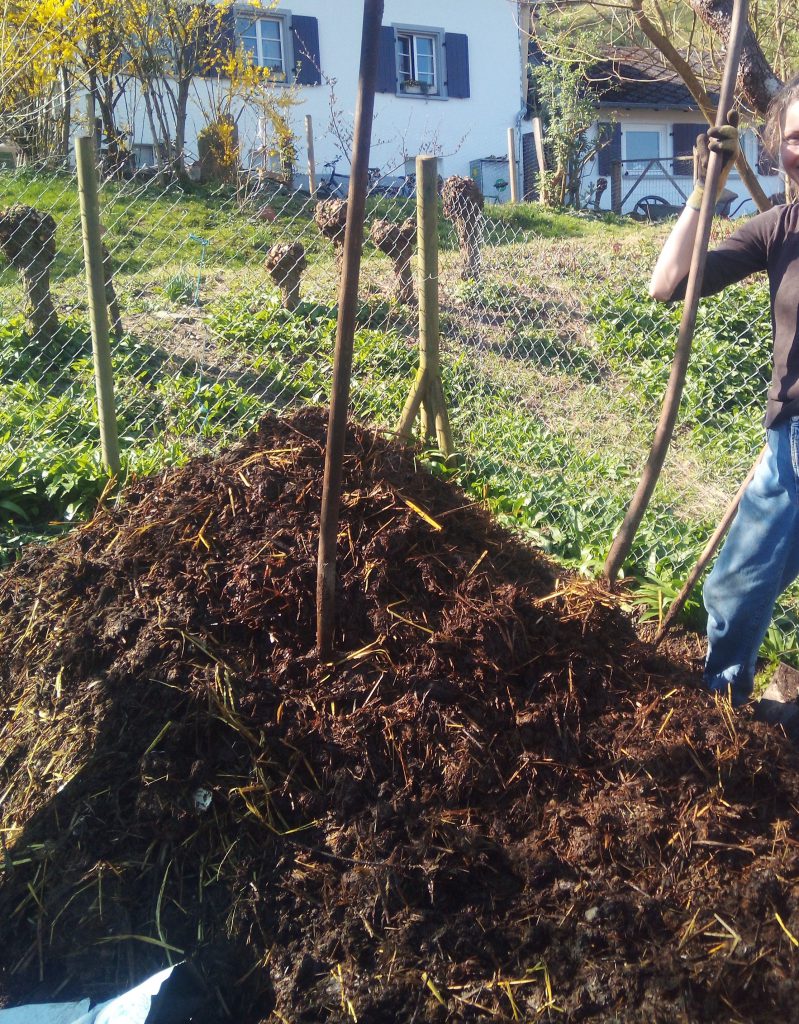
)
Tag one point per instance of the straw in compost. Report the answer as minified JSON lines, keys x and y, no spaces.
{"x":494,"y":804}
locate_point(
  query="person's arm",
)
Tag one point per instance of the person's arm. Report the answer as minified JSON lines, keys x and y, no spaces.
{"x":674,"y":261}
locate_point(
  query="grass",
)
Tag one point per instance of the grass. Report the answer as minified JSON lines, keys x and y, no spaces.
{"x":554,"y":366}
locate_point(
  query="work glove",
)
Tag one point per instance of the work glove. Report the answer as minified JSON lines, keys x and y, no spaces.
{"x":724,"y":141}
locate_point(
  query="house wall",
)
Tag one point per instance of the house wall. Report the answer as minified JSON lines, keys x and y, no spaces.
{"x":659,"y":184}
{"x":459,"y":130}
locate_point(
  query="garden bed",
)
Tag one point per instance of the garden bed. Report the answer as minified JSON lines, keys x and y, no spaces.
{"x":496,"y":802}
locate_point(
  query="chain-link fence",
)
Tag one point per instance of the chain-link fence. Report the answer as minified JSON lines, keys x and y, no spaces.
{"x":223,"y":305}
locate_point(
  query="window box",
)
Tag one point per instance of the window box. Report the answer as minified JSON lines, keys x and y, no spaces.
{"x":412,"y":88}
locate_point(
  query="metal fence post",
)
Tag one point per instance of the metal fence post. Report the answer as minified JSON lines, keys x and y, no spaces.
{"x":98,"y":311}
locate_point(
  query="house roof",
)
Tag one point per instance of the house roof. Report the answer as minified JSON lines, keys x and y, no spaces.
{"x":631,"y":76}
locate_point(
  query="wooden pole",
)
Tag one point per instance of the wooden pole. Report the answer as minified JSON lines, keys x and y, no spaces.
{"x":311,"y":158}
{"x":427,"y":393}
{"x":85,"y":155}
{"x":538,"y":136}
{"x":678,"y":603}
{"x":623,"y":540}
{"x":513,"y":174}
{"x":615,"y":186}
{"x":345,"y":332}
{"x":429,"y":322}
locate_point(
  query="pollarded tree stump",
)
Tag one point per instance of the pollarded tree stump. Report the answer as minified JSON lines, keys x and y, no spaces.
{"x":285,"y":263}
{"x":462,"y":203}
{"x":27,"y":240}
{"x":331,"y":219}
{"x":397,"y":241}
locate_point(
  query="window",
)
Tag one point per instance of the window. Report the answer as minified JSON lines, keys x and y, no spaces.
{"x":642,"y":143}
{"x":423,"y":61}
{"x":143,"y":154}
{"x":262,"y":38}
{"x":417,"y":65}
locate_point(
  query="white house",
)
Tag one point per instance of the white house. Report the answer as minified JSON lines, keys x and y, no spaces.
{"x":451,"y":81}
{"x":651,"y":122}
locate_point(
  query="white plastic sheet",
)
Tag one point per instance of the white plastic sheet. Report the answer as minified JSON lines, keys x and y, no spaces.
{"x":130,"y":1008}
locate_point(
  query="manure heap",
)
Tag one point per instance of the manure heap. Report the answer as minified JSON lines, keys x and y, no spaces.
{"x":496,"y":803}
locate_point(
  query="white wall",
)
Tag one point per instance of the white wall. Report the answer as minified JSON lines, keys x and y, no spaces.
{"x":459,"y":130}
{"x":661,"y":185}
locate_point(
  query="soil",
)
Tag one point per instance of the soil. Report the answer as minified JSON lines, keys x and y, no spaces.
{"x":496,"y":802}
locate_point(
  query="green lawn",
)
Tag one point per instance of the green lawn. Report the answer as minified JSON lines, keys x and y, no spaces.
{"x":554,"y":365}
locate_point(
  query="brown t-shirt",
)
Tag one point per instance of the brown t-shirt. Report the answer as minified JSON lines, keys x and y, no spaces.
{"x":770,"y":242}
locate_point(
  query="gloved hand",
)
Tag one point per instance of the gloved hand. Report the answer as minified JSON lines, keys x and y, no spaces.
{"x":723,"y":140}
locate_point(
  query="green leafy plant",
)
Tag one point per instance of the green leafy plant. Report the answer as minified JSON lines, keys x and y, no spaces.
{"x":180,"y":289}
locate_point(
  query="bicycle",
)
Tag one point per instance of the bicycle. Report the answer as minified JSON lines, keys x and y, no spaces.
{"x":332,"y":187}
{"x":400,"y":188}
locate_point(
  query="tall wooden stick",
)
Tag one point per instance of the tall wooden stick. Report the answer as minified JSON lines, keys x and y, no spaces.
{"x":309,"y":146}
{"x":345,"y":332}
{"x":85,"y":153}
{"x":671,"y":403}
{"x":513,"y":174}
{"x":709,"y":550}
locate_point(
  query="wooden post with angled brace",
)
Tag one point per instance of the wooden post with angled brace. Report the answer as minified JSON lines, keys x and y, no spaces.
{"x":427,"y":394}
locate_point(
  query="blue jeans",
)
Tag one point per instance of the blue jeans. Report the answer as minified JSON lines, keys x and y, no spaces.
{"x":758,"y":561}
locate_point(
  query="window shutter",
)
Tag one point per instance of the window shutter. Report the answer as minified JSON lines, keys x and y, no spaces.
{"x":456,"y":47}
{"x":683,"y":142}
{"x":387,"y":61}
{"x":215,"y":46}
{"x":610,"y":136}
{"x":307,"y":64}
{"x":766,"y":164}
{"x":530,"y":167}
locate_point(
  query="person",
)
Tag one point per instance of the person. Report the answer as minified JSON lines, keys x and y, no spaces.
{"x":760,"y":557}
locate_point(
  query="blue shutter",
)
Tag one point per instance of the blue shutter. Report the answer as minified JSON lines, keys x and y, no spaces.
{"x":611,"y":136}
{"x":683,"y":138}
{"x":766,"y":164}
{"x":387,"y":61}
{"x":307,"y":63}
{"x":214,"y":47}
{"x":456,"y":47}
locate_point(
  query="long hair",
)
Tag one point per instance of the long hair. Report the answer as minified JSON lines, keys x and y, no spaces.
{"x":775,"y":115}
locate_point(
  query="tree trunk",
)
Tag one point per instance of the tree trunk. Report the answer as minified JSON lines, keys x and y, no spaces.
{"x":66,"y":114}
{"x":181,"y":113}
{"x":699,"y":93}
{"x":757,"y":81}
{"x":27,"y":240}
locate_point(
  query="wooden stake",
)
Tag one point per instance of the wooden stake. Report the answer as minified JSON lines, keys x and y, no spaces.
{"x":678,"y":603}
{"x":85,"y":153}
{"x":513,"y":175}
{"x":427,"y":394}
{"x":345,"y":333}
{"x":311,"y":159}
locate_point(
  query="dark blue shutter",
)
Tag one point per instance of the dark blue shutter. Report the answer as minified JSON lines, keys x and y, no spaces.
{"x":307,"y":62}
{"x":610,"y":138}
{"x":214,"y":45}
{"x":683,"y":141}
{"x":387,"y":61}
{"x":456,"y":50}
{"x":766,"y":164}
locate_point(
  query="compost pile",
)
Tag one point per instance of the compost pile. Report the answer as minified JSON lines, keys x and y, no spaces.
{"x":495,"y":803}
